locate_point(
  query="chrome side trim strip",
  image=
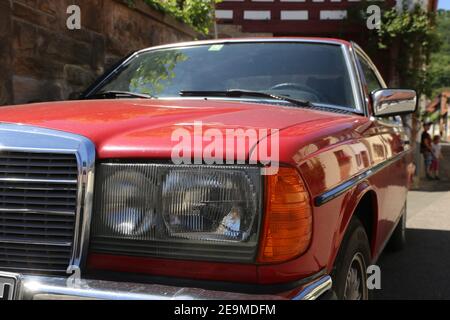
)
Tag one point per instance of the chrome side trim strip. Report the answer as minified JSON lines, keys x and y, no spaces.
{"x":354,"y":80}
{"x":357,"y":75}
{"x":347,"y":185}
{"x":241,"y":40}
{"x":369,"y":61}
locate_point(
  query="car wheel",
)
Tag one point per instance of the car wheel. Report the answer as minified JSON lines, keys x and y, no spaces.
{"x":350,"y":274}
{"x":397,"y":242}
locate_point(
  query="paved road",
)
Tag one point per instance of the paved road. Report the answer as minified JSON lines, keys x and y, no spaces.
{"x":422,"y":270}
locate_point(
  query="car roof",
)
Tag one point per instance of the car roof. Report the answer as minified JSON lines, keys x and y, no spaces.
{"x":253,"y":40}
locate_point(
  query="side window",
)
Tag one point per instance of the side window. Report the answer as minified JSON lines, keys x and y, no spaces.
{"x":371,"y":79}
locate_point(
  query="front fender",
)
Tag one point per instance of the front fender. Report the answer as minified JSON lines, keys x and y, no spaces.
{"x":352,"y":199}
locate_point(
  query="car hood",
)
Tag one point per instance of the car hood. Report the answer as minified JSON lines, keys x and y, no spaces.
{"x":138,"y":128}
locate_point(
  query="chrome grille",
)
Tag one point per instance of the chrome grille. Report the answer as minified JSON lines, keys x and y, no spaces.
{"x":38,"y":203}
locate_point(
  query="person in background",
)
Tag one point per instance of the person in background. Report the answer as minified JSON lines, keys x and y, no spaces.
{"x":437,"y":156}
{"x":426,"y":150}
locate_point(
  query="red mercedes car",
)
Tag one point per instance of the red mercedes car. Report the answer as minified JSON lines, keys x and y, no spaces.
{"x":137,"y":191}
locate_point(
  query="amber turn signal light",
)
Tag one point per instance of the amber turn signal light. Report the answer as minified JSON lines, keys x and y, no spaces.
{"x":287,"y":225}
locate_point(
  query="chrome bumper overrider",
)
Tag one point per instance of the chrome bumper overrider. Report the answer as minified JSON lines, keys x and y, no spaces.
{"x":51,"y":288}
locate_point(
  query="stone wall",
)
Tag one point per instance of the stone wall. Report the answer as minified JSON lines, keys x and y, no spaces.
{"x":42,"y":60}
{"x":5,"y":53}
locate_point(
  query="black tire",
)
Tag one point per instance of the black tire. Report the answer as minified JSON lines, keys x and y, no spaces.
{"x":397,"y":242}
{"x":352,"y":261}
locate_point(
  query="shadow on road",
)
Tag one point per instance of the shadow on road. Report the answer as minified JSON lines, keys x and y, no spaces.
{"x":421,"y":271}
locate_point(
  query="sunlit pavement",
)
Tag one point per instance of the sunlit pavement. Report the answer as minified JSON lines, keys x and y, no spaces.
{"x":422,"y":270}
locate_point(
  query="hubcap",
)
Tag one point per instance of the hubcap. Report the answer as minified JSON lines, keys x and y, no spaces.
{"x":355,"y":284}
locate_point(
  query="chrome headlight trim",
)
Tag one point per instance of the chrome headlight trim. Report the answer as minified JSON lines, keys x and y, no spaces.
{"x":160,"y":177}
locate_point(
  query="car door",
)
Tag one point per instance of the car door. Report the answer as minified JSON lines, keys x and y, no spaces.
{"x":392,"y":179}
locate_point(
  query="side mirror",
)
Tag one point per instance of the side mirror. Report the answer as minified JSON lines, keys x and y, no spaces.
{"x":393,"y":102}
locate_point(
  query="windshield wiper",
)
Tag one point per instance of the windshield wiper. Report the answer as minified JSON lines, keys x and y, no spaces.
{"x":119,"y":94}
{"x":237,"y":93}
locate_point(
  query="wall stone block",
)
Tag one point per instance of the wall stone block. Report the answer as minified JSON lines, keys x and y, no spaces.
{"x":42,"y":60}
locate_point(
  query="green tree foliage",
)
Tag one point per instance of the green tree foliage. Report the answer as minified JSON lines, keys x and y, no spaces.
{"x":155,"y":71}
{"x":199,"y":14}
{"x":148,"y":73}
{"x":412,"y":33}
{"x":440,"y":59}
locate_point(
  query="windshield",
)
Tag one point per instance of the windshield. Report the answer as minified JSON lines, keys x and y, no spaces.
{"x":306,"y":71}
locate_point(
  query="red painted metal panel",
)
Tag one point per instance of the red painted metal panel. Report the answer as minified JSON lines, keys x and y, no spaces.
{"x":327,"y":148}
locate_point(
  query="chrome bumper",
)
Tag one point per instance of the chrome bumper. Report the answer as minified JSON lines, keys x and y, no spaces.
{"x":51,"y":288}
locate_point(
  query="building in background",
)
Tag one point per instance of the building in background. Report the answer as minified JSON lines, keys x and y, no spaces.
{"x":312,"y":18}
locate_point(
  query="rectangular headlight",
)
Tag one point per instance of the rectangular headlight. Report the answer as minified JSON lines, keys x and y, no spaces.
{"x":183,"y":212}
